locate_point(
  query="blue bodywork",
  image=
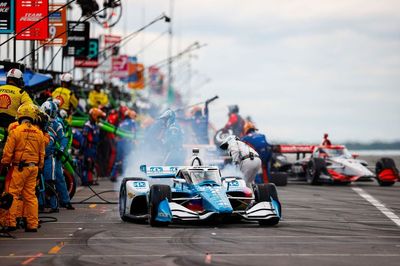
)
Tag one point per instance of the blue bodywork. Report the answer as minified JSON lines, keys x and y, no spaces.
{"x":199,"y":193}
{"x":164,"y":212}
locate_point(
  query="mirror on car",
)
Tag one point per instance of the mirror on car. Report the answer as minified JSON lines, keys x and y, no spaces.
{"x":179,"y":180}
{"x":355,"y":155}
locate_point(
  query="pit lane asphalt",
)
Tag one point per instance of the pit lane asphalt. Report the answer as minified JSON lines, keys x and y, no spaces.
{"x":323,"y":225}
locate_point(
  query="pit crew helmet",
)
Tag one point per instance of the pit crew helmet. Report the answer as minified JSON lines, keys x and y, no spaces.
{"x":224,"y":145}
{"x":66,"y":77}
{"x":249,"y":126}
{"x":168,"y":116}
{"x":16,"y":77}
{"x":29,"y":111}
{"x":131,"y":114}
{"x":95,"y":114}
{"x":233,"y":109}
{"x":63,"y":114}
{"x":14,"y":73}
{"x":98,"y":81}
{"x":43,"y":120}
{"x":197,"y":111}
{"x":50,"y":108}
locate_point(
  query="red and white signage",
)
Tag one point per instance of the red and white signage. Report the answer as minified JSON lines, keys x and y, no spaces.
{"x":105,"y":56}
{"x":28,"y":12}
{"x":57,"y":26}
{"x":119,"y":66}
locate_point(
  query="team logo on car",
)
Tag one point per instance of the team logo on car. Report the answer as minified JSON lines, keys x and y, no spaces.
{"x":5,"y":101}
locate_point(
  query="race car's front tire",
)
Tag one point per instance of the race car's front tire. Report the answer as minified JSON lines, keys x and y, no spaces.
{"x":158,"y":193}
{"x":122,"y":202}
{"x":266,"y":192}
{"x":314,"y":170}
{"x":385,"y":164}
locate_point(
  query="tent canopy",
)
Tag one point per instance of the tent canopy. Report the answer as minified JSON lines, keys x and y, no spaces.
{"x":33,"y":81}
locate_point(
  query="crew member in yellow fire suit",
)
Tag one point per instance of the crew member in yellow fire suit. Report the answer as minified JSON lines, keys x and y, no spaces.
{"x":12,"y":96}
{"x":68,"y":100}
{"x":24,"y":152}
{"x":97,"y":97}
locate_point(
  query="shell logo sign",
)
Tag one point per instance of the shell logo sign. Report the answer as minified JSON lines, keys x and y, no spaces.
{"x":5,"y":101}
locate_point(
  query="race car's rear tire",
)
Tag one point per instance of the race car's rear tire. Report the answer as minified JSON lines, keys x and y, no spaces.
{"x":279,"y":178}
{"x":383,"y":164}
{"x":158,"y":193}
{"x":314,"y":169}
{"x":264,"y":192}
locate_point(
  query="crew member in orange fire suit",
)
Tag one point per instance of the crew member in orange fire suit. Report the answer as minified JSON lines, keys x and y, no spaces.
{"x":24,"y":152}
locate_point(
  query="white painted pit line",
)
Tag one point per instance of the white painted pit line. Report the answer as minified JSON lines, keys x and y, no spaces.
{"x":377,"y":204}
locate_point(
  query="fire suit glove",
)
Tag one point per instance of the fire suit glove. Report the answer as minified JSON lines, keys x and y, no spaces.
{"x":58,"y":154}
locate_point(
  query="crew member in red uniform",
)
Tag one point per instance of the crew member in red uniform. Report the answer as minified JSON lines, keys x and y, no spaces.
{"x":235,"y":121}
{"x":326,"y":141}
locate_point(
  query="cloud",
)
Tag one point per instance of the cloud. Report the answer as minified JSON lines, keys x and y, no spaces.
{"x":299,"y":68}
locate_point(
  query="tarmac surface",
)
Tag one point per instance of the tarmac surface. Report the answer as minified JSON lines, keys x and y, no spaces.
{"x":357,"y":224}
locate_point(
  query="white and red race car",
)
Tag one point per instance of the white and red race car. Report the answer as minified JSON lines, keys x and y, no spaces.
{"x":334,"y":164}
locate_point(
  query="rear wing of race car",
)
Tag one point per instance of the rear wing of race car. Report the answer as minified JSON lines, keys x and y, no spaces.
{"x":297,"y":149}
{"x":300,"y":149}
{"x":159,"y":171}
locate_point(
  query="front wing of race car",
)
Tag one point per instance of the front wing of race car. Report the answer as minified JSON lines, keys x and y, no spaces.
{"x":172,"y":211}
{"x":133,"y":199}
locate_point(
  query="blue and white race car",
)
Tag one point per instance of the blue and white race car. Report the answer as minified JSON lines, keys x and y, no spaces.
{"x":194,"y":193}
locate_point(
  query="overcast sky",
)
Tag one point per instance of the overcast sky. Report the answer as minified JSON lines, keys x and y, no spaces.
{"x":299,"y":68}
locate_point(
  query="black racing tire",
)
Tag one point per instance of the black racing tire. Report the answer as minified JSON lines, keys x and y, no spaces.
{"x":122,"y":202}
{"x":280,"y":179}
{"x":264,"y":192}
{"x":382,"y":164}
{"x":158,"y":193}
{"x":314,"y":169}
{"x":221,"y":135}
{"x":70,"y":181}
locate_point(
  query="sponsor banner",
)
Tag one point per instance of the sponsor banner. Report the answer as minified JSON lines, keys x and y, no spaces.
{"x":156,"y":80}
{"x":135,"y":78}
{"x":57,"y":26}
{"x":6,"y":16}
{"x":27,"y":12}
{"x":105,"y":57}
{"x":91,"y":61}
{"x":119,"y":66}
{"x":78,"y":39}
